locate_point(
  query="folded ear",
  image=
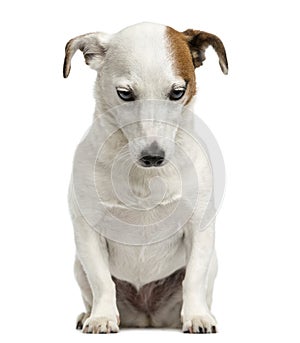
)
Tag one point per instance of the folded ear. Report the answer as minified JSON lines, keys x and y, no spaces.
{"x":199,"y":41}
{"x":93,"y":46}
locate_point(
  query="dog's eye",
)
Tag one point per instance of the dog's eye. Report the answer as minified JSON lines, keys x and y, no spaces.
{"x":125,"y":94}
{"x":176,"y":93}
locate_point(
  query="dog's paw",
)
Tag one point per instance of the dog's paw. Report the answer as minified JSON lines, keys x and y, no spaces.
{"x":81,"y":319}
{"x":200,"y":324}
{"x":100,"y":325}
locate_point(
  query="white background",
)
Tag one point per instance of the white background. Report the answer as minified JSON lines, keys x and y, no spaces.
{"x":253,"y":112}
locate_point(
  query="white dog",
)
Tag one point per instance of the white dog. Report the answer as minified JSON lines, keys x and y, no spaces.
{"x":170,"y":281}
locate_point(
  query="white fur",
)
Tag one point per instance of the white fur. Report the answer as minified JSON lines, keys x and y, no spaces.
{"x":139,"y":56}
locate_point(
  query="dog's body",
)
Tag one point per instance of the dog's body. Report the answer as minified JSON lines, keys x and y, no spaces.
{"x":168,"y":282}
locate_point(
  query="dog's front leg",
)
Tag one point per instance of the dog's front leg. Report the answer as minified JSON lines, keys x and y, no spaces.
{"x":196,"y":316}
{"x":93,"y":255}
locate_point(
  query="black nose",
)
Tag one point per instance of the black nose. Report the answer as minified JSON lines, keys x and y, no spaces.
{"x":152,"y":160}
{"x":153,"y":156}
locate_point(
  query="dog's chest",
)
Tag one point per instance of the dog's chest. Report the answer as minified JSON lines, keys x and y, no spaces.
{"x":140,"y":265}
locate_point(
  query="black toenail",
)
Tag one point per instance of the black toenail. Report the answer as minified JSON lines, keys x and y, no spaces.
{"x":79,"y":326}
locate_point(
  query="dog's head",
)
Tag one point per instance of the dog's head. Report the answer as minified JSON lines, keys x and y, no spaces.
{"x":141,"y":63}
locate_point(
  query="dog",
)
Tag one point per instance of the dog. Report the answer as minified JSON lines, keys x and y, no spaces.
{"x":167,"y":283}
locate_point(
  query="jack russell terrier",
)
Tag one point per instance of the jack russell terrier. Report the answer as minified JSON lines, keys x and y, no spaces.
{"x":159,"y":283}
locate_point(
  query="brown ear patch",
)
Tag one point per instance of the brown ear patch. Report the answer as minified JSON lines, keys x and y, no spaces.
{"x":182,"y":60}
{"x":199,"y":41}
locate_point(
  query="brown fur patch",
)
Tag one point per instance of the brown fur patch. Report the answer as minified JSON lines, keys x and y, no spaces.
{"x":183,"y":61}
{"x":188,"y":52}
{"x":199,"y":41}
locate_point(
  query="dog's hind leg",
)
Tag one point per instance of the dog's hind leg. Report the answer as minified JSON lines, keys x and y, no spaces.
{"x":168,"y":314}
{"x":86,"y":293}
{"x":167,"y":300}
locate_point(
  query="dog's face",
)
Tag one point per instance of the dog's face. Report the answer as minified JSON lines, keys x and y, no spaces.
{"x":148,"y":68}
